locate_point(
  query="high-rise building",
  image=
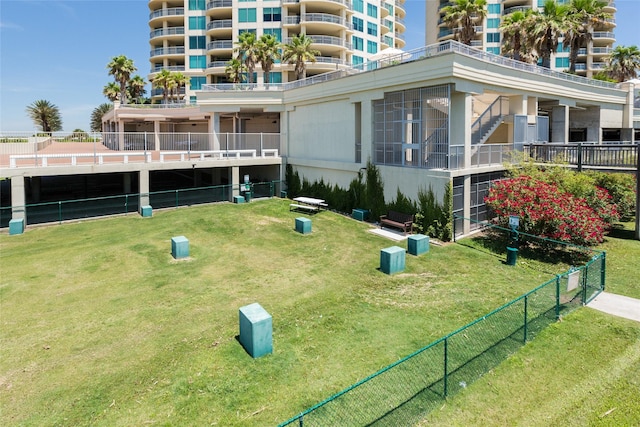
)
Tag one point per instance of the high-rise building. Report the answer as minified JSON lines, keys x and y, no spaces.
{"x":591,"y":58}
{"x":198,"y":37}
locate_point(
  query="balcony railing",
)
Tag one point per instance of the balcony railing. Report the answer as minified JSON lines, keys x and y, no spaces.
{"x":220,"y":23}
{"x":171,"y":31}
{"x":177,"y":50}
{"x":219,"y":3}
{"x":606,"y":155}
{"x":175,"y":11}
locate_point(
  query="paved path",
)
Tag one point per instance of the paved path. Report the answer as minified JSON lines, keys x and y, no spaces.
{"x":618,"y":305}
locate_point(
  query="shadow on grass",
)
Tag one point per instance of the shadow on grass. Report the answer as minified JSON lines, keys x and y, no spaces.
{"x":620,"y":232}
{"x":494,"y":242}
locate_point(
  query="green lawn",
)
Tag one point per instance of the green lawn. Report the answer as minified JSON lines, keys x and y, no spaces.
{"x":100,"y":326}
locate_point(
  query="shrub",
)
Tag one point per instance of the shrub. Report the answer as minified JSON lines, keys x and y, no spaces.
{"x":547,"y":211}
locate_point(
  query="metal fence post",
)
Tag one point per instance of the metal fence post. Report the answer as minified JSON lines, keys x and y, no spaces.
{"x":126,"y":204}
{"x":557,"y":297}
{"x":60,"y":212}
{"x":603,"y":269}
{"x":446,"y":367}
{"x":177,"y":198}
{"x":526,"y":303}
{"x":579,"y":157}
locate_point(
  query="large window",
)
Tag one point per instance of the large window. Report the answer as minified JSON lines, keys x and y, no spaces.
{"x":195,"y":83}
{"x":372,"y":29}
{"x":197,"y":42}
{"x":358,"y":24}
{"x":247,"y":14}
{"x":357,"y":60}
{"x":197,"y":61}
{"x":411,"y":128}
{"x":272,"y":14}
{"x":562,"y":62}
{"x":493,"y":22}
{"x":372,"y":47}
{"x":196,"y":5}
{"x":197,"y":22}
{"x":372,"y":10}
{"x":493,"y":37}
{"x":358,"y":6}
{"x":493,"y":9}
{"x":276,"y":32}
{"x":358,"y":43}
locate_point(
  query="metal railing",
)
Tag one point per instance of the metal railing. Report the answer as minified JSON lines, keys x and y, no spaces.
{"x":22,"y":149}
{"x":586,"y":155}
{"x":405,"y":391}
{"x":423,"y":53}
{"x":489,"y":119}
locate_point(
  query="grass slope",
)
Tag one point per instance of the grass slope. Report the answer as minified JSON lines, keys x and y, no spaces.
{"x":100,"y":326}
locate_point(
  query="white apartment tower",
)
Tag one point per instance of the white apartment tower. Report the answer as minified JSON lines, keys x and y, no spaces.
{"x":591,"y":58}
{"x":197,"y":37}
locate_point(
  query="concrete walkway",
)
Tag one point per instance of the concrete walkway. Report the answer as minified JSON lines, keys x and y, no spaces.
{"x":618,"y":305}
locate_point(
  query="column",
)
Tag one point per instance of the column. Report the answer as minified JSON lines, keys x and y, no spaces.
{"x":234,"y":179}
{"x":18,"y":198}
{"x":144,"y":187}
{"x":460,"y":128}
{"x":466,"y":211}
{"x":560,"y":124}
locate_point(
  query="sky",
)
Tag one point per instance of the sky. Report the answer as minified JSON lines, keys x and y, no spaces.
{"x":59,"y":50}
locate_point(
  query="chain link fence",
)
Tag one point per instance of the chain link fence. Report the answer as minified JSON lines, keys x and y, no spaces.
{"x":403,"y":392}
{"x":67,"y":210}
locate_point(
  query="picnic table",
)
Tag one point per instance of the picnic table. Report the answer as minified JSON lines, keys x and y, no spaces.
{"x":308,"y":204}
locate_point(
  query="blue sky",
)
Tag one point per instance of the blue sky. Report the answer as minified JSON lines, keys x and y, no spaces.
{"x":59,"y":50}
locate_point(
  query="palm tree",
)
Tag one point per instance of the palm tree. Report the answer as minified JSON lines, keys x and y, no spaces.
{"x":299,"y":52}
{"x":247,"y":51}
{"x":111,"y":91}
{"x":515,"y":36}
{"x":623,"y":63}
{"x":135,"y":88}
{"x":268,"y":50}
{"x":583,"y":16}
{"x":45,"y":115}
{"x":121,"y":69}
{"x":163,"y":80}
{"x":96,"y":116}
{"x":178,"y":80}
{"x":547,"y":27}
{"x":462,"y":16}
{"x":235,"y":70}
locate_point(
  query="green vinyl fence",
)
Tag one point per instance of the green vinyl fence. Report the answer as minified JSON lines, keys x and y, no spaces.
{"x":66,"y":210}
{"x":405,"y":391}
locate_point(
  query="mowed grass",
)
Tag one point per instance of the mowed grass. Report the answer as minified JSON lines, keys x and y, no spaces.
{"x":100,"y":326}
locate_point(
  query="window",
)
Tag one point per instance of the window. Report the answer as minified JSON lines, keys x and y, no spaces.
{"x":197,"y":42}
{"x":358,"y":43}
{"x":358,"y":24}
{"x":372,"y":10}
{"x":196,"y":5}
{"x":493,"y":9}
{"x":195,"y":83}
{"x":196,"y":22}
{"x":493,"y":37}
{"x":198,"y":61}
{"x":358,"y":5}
{"x":372,"y":29}
{"x":275,"y":77}
{"x":562,"y":48}
{"x":247,"y":15}
{"x":272,"y":14}
{"x":388,"y":40}
{"x":494,"y":50}
{"x":276,"y":32}
{"x":493,"y":22}
{"x":357,"y":60}
{"x":247,"y":30}
{"x":372,"y":47}
{"x":562,"y":62}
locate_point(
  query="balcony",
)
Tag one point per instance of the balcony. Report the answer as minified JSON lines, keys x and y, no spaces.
{"x":219,"y":45}
{"x":219,"y":26}
{"x":516,"y":9}
{"x":324,"y":20}
{"x":173,"y":68}
{"x":174,"y":12}
{"x":167,"y":51}
{"x":604,"y":36}
{"x":168,"y":33}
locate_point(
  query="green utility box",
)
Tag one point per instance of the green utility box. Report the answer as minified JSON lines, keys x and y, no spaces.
{"x":392,"y":260}
{"x":360,"y":214}
{"x":512,"y":256}
{"x":179,"y":247}
{"x":16,"y":226}
{"x":256,"y":330}
{"x":418,"y":244}
{"x":146,"y":211}
{"x":303,"y":225}
{"x":238,"y":199}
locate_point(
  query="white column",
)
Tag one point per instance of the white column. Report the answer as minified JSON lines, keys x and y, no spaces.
{"x":143,"y":182}
{"x":18,"y":199}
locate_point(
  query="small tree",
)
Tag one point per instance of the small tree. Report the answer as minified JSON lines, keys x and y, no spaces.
{"x":45,"y":115}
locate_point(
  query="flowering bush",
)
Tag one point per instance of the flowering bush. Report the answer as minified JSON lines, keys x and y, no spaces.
{"x":547,"y":211}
